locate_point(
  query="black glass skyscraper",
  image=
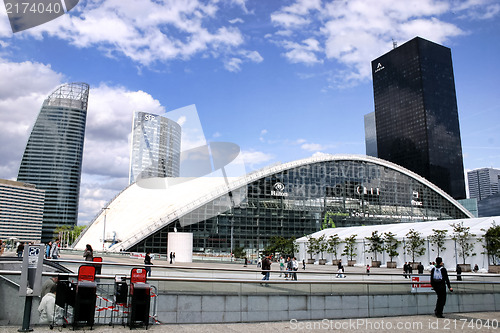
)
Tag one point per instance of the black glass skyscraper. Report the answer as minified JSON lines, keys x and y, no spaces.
{"x":416,"y":113}
{"x":53,"y":156}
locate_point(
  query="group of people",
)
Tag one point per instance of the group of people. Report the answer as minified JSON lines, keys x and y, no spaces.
{"x":408,"y":269}
{"x":52,"y":249}
{"x":288,"y":268}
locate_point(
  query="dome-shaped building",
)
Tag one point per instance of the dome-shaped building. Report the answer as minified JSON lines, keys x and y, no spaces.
{"x":289,"y":200}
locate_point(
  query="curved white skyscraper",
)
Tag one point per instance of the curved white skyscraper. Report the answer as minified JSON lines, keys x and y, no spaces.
{"x":155,"y":150}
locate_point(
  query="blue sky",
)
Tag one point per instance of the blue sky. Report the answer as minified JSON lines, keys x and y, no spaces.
{"x":282,"y":79}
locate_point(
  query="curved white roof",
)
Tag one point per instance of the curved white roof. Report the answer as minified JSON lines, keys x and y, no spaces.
{"x":138,"y":212}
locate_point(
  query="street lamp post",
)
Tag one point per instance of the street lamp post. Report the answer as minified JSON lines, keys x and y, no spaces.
{"x":104,"y":229}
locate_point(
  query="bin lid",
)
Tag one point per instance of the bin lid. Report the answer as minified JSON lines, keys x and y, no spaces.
{"x":138,"y":275}
{"x":86,"y":273}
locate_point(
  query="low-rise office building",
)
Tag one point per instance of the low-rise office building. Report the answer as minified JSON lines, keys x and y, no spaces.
{"x":21,"y":211}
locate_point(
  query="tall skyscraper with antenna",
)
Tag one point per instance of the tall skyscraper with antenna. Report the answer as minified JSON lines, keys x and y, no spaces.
{"x":416,"y":113}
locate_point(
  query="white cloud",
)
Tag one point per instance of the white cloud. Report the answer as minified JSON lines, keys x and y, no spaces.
{"x":23,"y":88}
{"x":304,"y":52}
{"x":236,"y":20}
{"x":254,"y":158}
{"x":312,"y":146}
{"x":355,"y":32}
{"x":148,"y":31}
{"x":233,"y":64}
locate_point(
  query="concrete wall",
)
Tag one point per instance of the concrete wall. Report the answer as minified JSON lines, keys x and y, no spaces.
{"x":225,"y":308}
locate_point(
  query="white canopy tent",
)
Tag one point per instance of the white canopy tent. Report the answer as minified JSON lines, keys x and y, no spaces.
{"x":478,"y":226}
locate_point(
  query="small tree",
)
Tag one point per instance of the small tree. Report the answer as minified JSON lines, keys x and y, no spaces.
{"x":239,"y":252}
{"x":414,"y":244}
{"x":375,"y":244}
{"x":312,"y":246}
{"x":281,"y":245}
{"x":391,"y":244}
{"x":492,"y":240}
{"x":322,"y":245}
{"x":333,"y":245}
{"x":437,"y":239}
{"x":350,"y":247}
{"x":463,"y":238}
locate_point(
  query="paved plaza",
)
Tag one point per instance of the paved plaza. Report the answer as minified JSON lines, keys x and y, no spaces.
{"x":464,"y":322}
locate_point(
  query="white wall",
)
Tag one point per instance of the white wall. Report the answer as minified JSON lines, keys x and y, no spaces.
{"x":182,"y":244}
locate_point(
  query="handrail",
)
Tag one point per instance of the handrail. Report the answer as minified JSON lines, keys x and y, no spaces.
{"x":258,"y":281}
{"x":247,"y":270}
{"x":8,"y":280}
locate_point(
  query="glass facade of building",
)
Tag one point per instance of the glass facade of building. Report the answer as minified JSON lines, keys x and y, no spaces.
{"x":21,"y":211}
{"x":304,"y":199}
{"x":370,"y":135}
{"x":53,"y":156}
{"x":156,"y":144}
{"x":416,"y":113}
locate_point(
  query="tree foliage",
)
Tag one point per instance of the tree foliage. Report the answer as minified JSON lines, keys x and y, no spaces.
{"x":312,"y":246}
{"x":350,"y":247}
{"x":375,"y":244}
{"x":437,"y":239}
{"x":492,"y":243}
{"x":391,"y":244}
{"x":281,"y":245}
{"x":414,"y":244}
{"x":333,"y":245}
{"x":68,"y":234}
{"x":464,"y":240}
{"x":322,"y":245}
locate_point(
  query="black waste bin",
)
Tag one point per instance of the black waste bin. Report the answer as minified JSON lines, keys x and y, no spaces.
{"x":121,"y":291}
{"x":85,"y":300}
{"x":139,"y":304}
{"x":65,"y":293}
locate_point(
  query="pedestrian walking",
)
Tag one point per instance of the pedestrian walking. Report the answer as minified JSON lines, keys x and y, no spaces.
{"x":405,"y":270}
{"x":439,"y":281}
{"x":266,"y":267}
{"x":282,"y":265}
{"x":48,"y":247}
{"x":148,"y":263}
{"x":54,"y":250}
{"x":340,"y":270}
{"x":420,"y":268}
{"x":368,"y":270}
{"x":303,"y":264}
{"x":289,"y":268}
{"x":459,"y":273}
{"x":171,"y":256}
{"x":295,"y":268}
{"x":20,"y":250}
{"x":88,"y":254}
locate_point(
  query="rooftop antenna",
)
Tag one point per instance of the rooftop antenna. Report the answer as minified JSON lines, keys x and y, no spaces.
{"x":394,"y":44}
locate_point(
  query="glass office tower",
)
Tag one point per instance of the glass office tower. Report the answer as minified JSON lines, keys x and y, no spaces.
{"x":370,"y":135}
{"x":53,"y":156}
{"x":156,"y":145}
{"x":416,"y":113}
